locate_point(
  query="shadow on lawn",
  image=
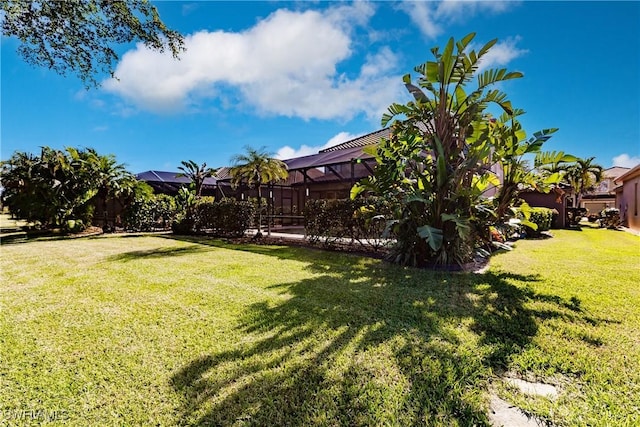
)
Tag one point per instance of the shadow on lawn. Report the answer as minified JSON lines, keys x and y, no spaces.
{"x":365,"y":343}
{"x":157,"y":253}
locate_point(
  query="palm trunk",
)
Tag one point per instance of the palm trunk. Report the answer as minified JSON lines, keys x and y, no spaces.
{"x":259,"y":233}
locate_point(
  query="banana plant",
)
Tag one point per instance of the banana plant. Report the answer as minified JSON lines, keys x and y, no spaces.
{"x":433,"y":164}
{"x":511,"y":145}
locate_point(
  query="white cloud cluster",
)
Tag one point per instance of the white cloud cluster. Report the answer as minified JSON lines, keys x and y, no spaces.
{"x":501,"y":54}
{"x":431,"y":17}
{"x":288,"y":152}
{"x":626,"y":160}
{"x":286,"y":65}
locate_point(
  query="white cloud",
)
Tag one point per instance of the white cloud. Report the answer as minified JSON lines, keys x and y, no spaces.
{"x":431,"y":17}
{"x":423,"y":15}
{"x":288,"y":152}
{"x":286,"y":64}
{"x":626,"y":160}
{"x":501,"y":54}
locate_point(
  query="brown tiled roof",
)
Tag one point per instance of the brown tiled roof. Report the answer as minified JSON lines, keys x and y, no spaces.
{"x":345,"y":155}
{"x":615,"y":171}
{"x":361,"y":141}
{"x":223,"y":174}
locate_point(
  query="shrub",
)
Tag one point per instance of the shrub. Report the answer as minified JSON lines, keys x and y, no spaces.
{"x":228,"y":217}
{"x":542,"y":217}
{"x":610,"y":218}
{"x":74,"y":225}
{"x":360,"y":220}
{"x":147,"y":214}
{"x":574,"y":215}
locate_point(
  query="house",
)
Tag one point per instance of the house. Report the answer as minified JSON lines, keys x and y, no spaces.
{"x":627,"y":194}
{"x":604,"y":195}
{"x":330,"y":174}
{"x":327,"y":175}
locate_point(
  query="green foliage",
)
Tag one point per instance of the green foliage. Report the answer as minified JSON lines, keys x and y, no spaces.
{"x":148,"y":214}
{"x":255,"y":169}
{"x":345,"y":221}
{"x":575,"y":215}
{"x":583,"y":176}
{"x":434,"y":166}
{"x":511,"y":145}
{"x":58,"y":186}
{"x":78,"y":36}
{"x":74,"y":225}
{"x":541,"y":217}
{"x":196,"y":173}
{"x":227,"y":217}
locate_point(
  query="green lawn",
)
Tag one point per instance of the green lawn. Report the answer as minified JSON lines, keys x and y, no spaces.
{"x":153,"y":330}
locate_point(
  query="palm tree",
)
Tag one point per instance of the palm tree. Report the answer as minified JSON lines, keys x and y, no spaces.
{"x":254,"y":169}
{"x":583,"y":176}
{"x":112,"y":178}
{"x":196,"y":173}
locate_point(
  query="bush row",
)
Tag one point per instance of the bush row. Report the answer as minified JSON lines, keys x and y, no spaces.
{"x":148,"y":214}
{"x":332,"y":222}
{"x":227,"y":217}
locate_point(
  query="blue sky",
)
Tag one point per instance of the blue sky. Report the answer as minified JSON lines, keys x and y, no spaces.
{"x":297,"y":76}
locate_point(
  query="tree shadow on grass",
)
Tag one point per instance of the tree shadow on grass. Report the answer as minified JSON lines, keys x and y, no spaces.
{"x":365,"y":343}
{"x":157,"y":253}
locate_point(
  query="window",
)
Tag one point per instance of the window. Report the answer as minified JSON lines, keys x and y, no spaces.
{"x":635,"y":200}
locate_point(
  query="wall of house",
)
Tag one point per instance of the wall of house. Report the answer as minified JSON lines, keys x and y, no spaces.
{"x":629,"y":204}
{"x":597,"y":205}
{"x":551,"y":201}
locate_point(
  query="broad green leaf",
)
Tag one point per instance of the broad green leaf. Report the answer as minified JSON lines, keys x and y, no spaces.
{"x":432,"y":235}
{"x":467,"y":39}
{"x":554,"y":178}
{"x":432,"y":71}
{"x":355,"y":191}
{"x":486,"y":47}
{"x":462,"y":224}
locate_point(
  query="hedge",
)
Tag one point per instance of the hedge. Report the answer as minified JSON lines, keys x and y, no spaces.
{"x":156,"y":212}
{"x":345,"y":221}
{"x":542,"y":217}
{"x":227,"y":217}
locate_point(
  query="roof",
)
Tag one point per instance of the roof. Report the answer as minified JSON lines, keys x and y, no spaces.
{"x":615,"y":171}
{"x":628,"y":175}
{"x":345,"y":155}
{"x":361,"y":141}
{"x":224,"y":173}
{"x":170,"y":178}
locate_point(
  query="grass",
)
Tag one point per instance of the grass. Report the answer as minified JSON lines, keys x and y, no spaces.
{"x":175,"y":331}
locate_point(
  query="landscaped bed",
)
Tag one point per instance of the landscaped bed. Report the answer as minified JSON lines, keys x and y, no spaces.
{"x":163,"y":330}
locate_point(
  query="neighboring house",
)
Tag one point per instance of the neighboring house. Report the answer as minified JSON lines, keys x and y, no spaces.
{"x":627,"y":194}
{"x":604,"y":196}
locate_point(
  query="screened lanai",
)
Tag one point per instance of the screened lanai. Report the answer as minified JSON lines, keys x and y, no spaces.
{"x":328,"y":175}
